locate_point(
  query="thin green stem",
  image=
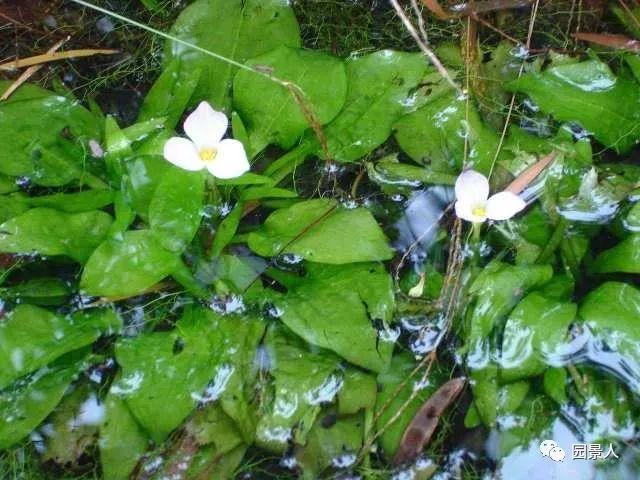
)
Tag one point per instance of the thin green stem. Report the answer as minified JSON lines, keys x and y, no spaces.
{"x":554,"y":241}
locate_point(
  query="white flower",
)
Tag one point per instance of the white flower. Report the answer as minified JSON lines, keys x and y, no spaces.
{"x":474,"y":204}
{"x":205,"y":148}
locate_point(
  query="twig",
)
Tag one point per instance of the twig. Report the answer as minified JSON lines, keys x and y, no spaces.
{"x":421,"y":24}
{"x":29,"y":72}
{"x":534,"y":13}
{"x":53,"y":56}
{"x":435,"y":61}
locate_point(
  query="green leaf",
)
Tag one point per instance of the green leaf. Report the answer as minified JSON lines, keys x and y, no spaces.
{"x":334,"y":308}
{"x":143,"y":175}
{"x":381,"y":90}
{"x":388,"y":172}
{"x":38,"y":291}
{"x":35,"y":125}
{"x":12,"y":206}
{"x":271,"y":112}
{"x":624,"y":257}
{"x":535,"y":329}
{"x":226,"y":230}
{"x":206,"y":358}
{"x":164,"y":366}
{"x":26,"y":403}
{"x":497,"y":289}
{"x":74,"y":202}
{"x":128,"y":266}
{"x":210,"y":425}
{"x":358,"y":392}
{"x":122,"y":441}
{"x":441,"y":132}
{"x":236,"y":29}
{"x":322,"y":231}
{"x":611,"y":312}
{"x":170,"y":94}
{"x":31,"y":337}
{"x":326,"y":446}
{"x":392,"y":399}
{"x":590,"y":94}
{"x":74,"y":437}
{"x":176,"y":208}
{"x":50,"y":232}
{"x":303,"y":380}
{"x":241,"y":339}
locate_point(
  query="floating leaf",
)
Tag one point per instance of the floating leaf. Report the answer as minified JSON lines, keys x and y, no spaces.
{"x":127,"y":267}
{"x":176,"y":208}
{"x":333,"y":445}
{"x":532,"y":334}
{"x":303,"y":381}
{"x":236,"y":29}
{"x":590,"y":94}
{"x":334,"y":308}
{"x":624,"y":257}
{"x":162,"y":366}
{"x":435,"y":135}
{"x":34,"y":129}
{"x":398,"y":372}
{"x":143,"y":175}
{"x":270,"y":111}
{"x":122,"y":441}
{"x":382,"y":88}
{"x":611,"y":312}
{"x":170,"y":94}
{"x":321,"y":231}
{"x":26,"y":403}
{"x":31,"y":337}
{"x":74,"y":202}
{"x":38,"y":291}
{"x":50,"y":232}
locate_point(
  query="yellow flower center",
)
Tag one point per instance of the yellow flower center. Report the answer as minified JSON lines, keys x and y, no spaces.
{"x":208,"y":155}
{"x":479,"y":211}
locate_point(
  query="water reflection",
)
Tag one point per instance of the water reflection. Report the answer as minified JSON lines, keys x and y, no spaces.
{"x":418,"y":226}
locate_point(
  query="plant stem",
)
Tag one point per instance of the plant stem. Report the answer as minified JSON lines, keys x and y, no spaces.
{"x":554,"y":241}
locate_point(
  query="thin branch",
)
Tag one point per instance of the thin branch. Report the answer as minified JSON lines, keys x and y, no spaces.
{"x":53,"y":56}
{"x":26,"y":75}
{"x":435,"y":61}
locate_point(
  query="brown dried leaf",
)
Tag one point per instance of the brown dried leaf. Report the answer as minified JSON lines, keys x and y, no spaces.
{"x":478,"y":8}
{"x":424,"y":423}
{"x":610,"y":40}
{"x":523,"y":180}
{"x":435,"y":8}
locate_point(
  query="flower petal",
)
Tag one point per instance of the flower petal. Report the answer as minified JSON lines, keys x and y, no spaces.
{"x":205,"y":126}
{"x":472,"y":187}
{"x":504,"y":205}
{"x":183,"y":153}
{"x":464,"y":211}
{"x":231,"y":160}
